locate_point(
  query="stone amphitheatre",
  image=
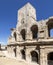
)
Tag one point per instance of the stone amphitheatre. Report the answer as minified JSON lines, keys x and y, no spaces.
{"x":30,"y":42}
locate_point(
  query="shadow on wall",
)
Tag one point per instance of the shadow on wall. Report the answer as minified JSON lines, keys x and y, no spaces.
{"x":23,"y":34}
{"x":15,"y":51}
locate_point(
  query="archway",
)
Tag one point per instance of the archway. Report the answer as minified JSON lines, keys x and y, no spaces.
{"x":34,"y":30}
{"x":15,"y":51}
{"x":34,"y":56}
{"x":50,"y":27}
{"x":50,"y":58}
{"x":23,"y":34}
{"x":51,"y":32}
{"x":23,"y":54}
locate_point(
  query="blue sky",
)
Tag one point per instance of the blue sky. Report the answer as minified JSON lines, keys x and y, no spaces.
{"x":8,"y":14}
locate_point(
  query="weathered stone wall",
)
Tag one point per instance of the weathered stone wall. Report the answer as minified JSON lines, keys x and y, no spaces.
{"x":40,"y":45}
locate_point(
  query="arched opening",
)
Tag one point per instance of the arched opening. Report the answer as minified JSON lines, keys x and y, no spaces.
{"x":50,"y":58}
{"x":15,"y":35}
{"x":15,"y":51}
{"x":51,"y":32}
{"x":34,"y":56}
{"x":23,"y":33}
{"x":34,"y":30}
{"x":50,"y":27}
{"x":23,"y":54}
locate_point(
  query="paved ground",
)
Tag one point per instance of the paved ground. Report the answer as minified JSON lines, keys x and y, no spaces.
{"x":5,"y":60}
{"x":8,"y":61}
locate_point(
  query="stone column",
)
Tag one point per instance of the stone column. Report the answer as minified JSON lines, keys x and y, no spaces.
{"x":18,"y":52}
{"x":46,"y":32}
{"x":42,"y":56}
{"x":46,"y":61}
{"x":28,"y":35}
{"x":19,"y":37}
{"x":28,"y":56}
{"x":10,"y":51}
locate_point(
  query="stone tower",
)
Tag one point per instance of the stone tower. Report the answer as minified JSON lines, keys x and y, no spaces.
{"x":26,"y":12}
{"x":31,"y":39}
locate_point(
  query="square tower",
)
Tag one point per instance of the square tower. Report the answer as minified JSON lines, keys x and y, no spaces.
{"x":27,"y":10}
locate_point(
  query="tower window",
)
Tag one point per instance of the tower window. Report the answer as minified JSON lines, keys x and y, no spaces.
{"x":23,"y":34}
{"x":34,"y":30}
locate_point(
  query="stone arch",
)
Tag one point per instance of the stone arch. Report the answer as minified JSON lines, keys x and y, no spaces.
{"x":50,"y":58}
{"x":34,"y":30}
{"x":34,"y":56}
{"x":50,"y":27}
{"x":15,"y":35}
{"x":23,"y":34}
{"x":23,"y":54}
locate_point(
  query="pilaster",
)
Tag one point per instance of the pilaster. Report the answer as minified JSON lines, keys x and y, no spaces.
{"x":43,"y":60}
